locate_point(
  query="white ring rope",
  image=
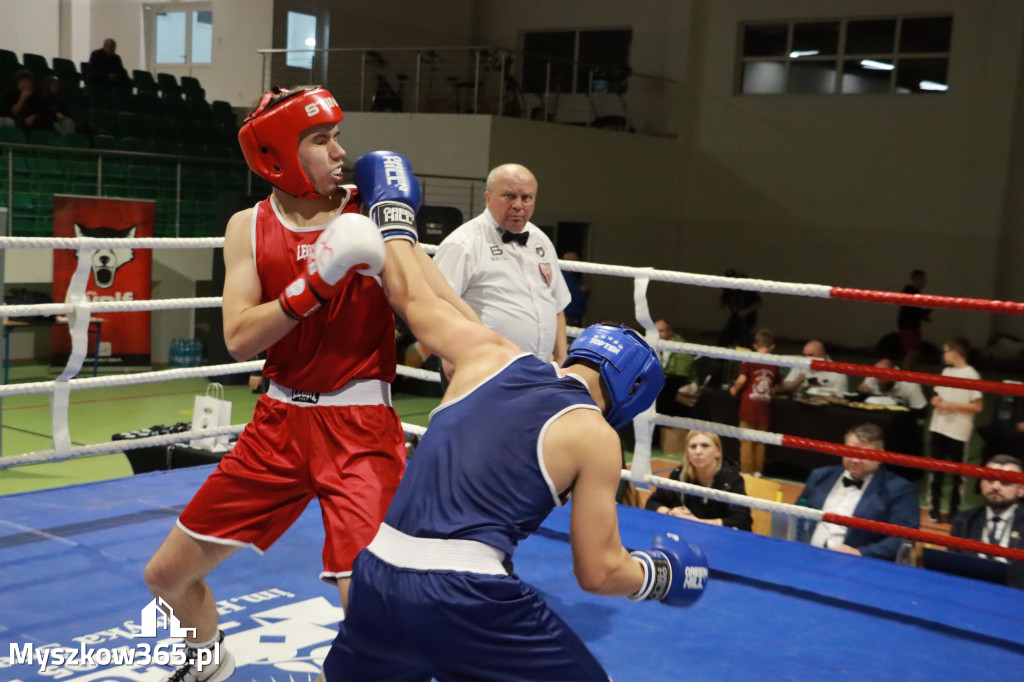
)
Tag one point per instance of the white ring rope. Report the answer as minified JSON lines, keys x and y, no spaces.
{"x":9,"y":311}
{"x":797,"y":511}
{"x":110,"y":447}
{"x":104,"y":243}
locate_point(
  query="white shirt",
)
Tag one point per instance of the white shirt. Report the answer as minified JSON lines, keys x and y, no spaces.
{"x":904,"y":392}
{"x":955,"y":425}
{"x":516,"y":290}
{"x":842,"y":499}
{"x":831,"y":383}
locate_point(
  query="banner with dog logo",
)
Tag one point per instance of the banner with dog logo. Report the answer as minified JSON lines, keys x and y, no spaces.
{"x":118,"y":274}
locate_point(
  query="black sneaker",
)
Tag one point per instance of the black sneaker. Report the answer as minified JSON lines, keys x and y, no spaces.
{"x":215,"y":671}
{"x":934,"y":515}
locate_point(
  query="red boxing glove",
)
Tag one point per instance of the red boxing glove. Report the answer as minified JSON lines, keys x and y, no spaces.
{"x":349,"y":242}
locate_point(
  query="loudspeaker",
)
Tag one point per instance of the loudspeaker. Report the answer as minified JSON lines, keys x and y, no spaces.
{"x":434,"y":223}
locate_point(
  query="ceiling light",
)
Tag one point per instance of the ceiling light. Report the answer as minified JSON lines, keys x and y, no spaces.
{"x":932,"y":85}
{"x":310,"y":42}
{"x":876,"y":66}
{"x":795,"y":54}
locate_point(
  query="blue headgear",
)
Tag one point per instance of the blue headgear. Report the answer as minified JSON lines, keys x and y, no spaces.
{"x":629,"y":367}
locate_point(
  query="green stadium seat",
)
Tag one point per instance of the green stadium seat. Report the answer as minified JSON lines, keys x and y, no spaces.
{"x":103,"y":123}
{"x":37,"y":64}
{"x":168,"y":84}
{"x":16,"y":135}
{"x":131,"y":125}
{"x":77,"y":140}
{"x":144,"y":81}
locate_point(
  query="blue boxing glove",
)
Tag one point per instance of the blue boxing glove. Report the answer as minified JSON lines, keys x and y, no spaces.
{"x":391,"y":192}
{"x":675,"y":571}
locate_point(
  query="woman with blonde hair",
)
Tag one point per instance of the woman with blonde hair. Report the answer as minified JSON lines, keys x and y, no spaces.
{"x":702,"y":465}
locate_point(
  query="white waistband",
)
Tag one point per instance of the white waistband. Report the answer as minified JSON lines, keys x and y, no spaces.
{"x":436,"y":554}
{"x":357,"y":392}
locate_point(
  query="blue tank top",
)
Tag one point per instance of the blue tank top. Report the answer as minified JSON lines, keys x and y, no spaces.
{"x":478,"y":472}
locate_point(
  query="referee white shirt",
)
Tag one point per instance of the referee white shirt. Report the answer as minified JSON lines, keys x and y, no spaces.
{"x":517,"y":290}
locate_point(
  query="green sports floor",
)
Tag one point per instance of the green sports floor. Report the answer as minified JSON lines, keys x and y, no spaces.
{"x":96,"y":415}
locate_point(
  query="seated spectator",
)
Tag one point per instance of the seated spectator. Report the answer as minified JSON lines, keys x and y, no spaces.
{"x":1000,"y":521}
{"x":863,"y":488}
{"x":25,"y":104}
{"x":903,"y":392}
{"x":801,"y":381}
{"x":57,"y":110}
{"x":702,"y":465}
{"x":105,"y":67}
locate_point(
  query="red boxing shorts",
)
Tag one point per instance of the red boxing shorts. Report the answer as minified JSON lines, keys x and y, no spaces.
{"x":349,"y":457}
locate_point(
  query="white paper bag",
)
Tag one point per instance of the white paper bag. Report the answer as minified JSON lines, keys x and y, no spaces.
{"x":211,"y":411}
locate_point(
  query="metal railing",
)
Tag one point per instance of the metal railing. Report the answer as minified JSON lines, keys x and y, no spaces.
{"x":479,"y":80}
{"x":172,"y":183}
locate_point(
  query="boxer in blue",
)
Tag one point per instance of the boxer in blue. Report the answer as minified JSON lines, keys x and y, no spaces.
{"x":513,"y":438}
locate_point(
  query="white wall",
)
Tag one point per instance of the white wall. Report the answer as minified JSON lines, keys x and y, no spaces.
{"x":30,"y":27}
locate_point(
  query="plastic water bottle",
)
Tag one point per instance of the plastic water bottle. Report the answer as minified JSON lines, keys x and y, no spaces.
{"x":196,"y":356}
{"x":1004,"y":414}
{"x":804,"y":527}
{"x":905,"y":554}
{"x":177,"y":352}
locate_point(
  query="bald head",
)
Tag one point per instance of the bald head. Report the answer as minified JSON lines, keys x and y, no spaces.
{"x":110,"y":46}
{"x":815,"y":349}
{"x":510,"y":194}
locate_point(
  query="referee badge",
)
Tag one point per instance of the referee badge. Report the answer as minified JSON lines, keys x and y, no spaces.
{"x":545,"y":272}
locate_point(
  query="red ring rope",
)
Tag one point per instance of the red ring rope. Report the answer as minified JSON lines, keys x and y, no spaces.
{"x":924,"y":536}
{"x":927,"y":463}
{"x":927,"y":300}
{"x":918,"y":377}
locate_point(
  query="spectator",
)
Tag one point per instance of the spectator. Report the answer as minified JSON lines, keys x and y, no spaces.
{"x":742,"y":307}
{"x":909,"y":320}
{"x":1000,"y":521}
{"x":57,"y":109}
{"x":702,"y":465}
{"x":952,"y":423}
{"x":24,"y":103}
{"x":681,"y":389}
{"x":579,"y":293}
{"x":865,"y":489}
{"x":105,"y":67}
{"x":905,"y":393}
{"x":801,"y":381}
{"x":505,"y":267}
{"x":758,"y":382}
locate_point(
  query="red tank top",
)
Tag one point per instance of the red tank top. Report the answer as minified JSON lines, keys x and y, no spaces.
{"x":352,"y":336}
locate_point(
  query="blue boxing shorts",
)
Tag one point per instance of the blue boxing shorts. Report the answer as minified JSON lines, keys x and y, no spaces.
{"x":406,"y":624}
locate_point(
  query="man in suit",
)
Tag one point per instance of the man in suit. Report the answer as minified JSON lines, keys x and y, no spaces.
{"x":1000,"y":521}
{"x":865,"y":489}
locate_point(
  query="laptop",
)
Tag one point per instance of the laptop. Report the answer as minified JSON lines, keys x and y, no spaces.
{"x":967,"y":565}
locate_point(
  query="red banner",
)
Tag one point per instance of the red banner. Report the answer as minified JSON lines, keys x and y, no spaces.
{"x":117,"y":274}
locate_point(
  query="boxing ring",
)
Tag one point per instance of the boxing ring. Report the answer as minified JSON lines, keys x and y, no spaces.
{"x":71,"y":559}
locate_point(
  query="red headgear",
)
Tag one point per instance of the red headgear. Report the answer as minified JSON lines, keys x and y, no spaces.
{"x":270,"y":136}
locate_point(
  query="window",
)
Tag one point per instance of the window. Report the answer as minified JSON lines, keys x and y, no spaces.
{"x":182,"y":37}
{"x":850,"y":56}
{"x":577,"y":61}
{"x":301,"y":40}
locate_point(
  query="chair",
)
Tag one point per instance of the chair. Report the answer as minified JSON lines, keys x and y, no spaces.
{"x":144,"y":81}
{"x":131,"y":125}
{"x":191,"y":87}
{"x":765,"y":489}
{"x":66,"y":72}
{"x":37,"y":64}
{"x":168,"y":84}
{"x":16,"y":135}
{"x":223,"y":111}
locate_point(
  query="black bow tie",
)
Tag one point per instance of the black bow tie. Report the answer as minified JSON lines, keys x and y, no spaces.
{"x":857,"y":483}
{"x":520,"y":238}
